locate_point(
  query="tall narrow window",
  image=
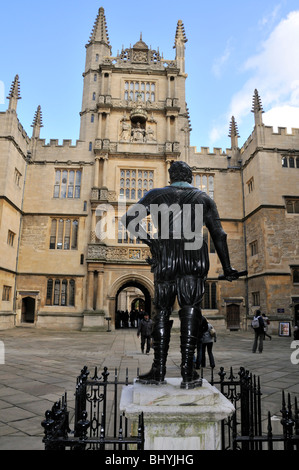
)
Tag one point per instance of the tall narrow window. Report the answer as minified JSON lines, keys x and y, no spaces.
{"x":56,"y":292}
{"x":70,"y":192}
{"x":64,"y":292}
{"x":256,"y":298}
{"x":253,"y":248}
{"x":49,"y":292}
{"x":67,"y":235}
{"x":60,"y":234}
{"x":10,"y":238}
{"x":74,"y":234}
{"x":53,"y":234}
{"x":72,"y":292}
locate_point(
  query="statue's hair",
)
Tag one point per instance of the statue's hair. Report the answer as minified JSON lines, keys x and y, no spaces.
{"x":180,"y":171}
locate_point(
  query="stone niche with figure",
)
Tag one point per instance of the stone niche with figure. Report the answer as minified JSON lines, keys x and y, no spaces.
{"x":138,"y":127}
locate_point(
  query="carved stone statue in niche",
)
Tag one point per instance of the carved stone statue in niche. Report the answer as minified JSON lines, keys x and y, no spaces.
{"x":125,"y":130}
{"x":138,"y":133}
{"x":150,"y":134}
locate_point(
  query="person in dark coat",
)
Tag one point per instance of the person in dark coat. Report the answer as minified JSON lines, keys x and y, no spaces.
{"x":145,"y":328}
{"x":258,"y":332}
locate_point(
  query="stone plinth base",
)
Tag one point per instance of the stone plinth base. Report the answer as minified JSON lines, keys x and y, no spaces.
{"x":177,"y":419}
{"x":94,"y":320}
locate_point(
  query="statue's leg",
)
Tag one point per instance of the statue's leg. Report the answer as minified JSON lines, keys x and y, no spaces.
{"x":190,"y":291}
{"x":190,"y":322}
{"x":164,"y":299}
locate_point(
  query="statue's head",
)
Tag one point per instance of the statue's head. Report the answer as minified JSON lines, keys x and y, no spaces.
{"x":180,"y":171}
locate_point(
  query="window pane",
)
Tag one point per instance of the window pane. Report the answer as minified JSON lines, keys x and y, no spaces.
{"x":72,"y":292}
{"x":56,"y":292}
{"x":60,"y":234}
{"x":64,"y":292}
{"x":67,"y":235}
{"x":63,"y":184}
{"x":53,"y":234}
{"x":49,"y":292}
{"x":70,"y":192}
{"x":74,"y":234}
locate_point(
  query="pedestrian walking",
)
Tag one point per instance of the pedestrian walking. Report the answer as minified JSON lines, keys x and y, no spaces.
{"x":266,"y":323}
{"x":258,"y":328}
{"x":145,"y":329}
{"x":202,"y":330}
{"x":208,"y":339}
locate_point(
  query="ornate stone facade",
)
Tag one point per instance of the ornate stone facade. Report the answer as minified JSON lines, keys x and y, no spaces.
{"x":59,"y":269}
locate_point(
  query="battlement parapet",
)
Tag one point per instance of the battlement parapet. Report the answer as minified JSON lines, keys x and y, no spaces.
{"x":66,"y":143}
{"x":217,"y":152}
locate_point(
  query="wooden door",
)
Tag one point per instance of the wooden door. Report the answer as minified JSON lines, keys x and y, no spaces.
{"x":233,"y":316}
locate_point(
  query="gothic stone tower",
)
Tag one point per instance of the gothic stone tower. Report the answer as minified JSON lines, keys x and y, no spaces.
{"x":135,"y":121}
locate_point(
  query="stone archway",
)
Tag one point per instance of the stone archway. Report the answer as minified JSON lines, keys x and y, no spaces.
{"x":140,"y":282}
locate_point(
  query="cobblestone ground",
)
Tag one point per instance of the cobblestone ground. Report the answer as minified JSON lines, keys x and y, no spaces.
{"x":39,"y":366}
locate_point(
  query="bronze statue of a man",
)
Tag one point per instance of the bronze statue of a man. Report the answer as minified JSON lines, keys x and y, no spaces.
{"x":180,"y":263}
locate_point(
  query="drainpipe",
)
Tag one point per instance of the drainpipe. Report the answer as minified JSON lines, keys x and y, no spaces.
{"x":245,"y":245}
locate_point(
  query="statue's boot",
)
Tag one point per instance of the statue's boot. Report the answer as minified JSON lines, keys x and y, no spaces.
{"x":161,"y":338}
{"x":190,"y":322}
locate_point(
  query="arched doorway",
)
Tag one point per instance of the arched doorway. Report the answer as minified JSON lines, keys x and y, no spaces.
{"x":129,"y":318}
{"x":28,"y":310}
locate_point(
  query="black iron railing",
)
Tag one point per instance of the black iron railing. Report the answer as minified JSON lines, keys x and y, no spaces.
{"x":97,"y":423}
{"x":246,"y":429}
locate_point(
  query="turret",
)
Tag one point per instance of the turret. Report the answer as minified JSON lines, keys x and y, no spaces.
{"x":96,"y":82}
{"x":14,"y":94}
{"x":179,"y":45}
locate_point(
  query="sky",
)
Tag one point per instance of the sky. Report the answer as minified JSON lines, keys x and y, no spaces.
{"x":233,"y":48}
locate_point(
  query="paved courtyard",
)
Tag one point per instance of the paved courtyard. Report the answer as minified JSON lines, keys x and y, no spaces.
{"x":40,"y":365}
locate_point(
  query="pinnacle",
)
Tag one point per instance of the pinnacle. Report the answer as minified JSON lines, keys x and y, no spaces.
{"x":256,"y":103}
{"x":100,"y":31}
{"x":233,"y":129}
{"x":37,"y":120}
{"x":180,"y":34}
{"x":15,"y":89}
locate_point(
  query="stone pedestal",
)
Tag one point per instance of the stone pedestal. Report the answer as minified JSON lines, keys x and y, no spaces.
{"x":94,"y":320}
{"x":177,"y":419}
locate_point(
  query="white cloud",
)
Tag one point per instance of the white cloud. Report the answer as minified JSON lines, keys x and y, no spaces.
{"x":282,"y":116}
{"x":222,"y":60}
{"x":274,"y":72}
